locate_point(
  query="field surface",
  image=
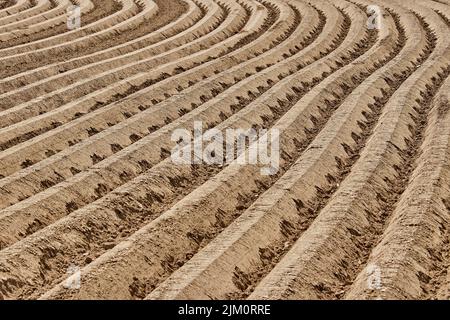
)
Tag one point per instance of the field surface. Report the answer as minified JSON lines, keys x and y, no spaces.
{"x":92,"y":205}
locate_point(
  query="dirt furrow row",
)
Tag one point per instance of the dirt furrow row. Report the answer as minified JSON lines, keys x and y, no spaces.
{"x":36,"y":8}
{"x":50,"y":95}
{"x":412,"y":258}
{"x":331,"y":252}
{"x":195,"y":237}
{"x":140,"y":148}
{"x":130,"y":75}
{"x":38,"y":53}
{"x":99,"y":10}
{"x":11,"y":6}
{"x":114,"y":133}
{"x":167,"y":199}
{"x":53,"y":12}
{"x":110,"y":85}
{"x":283,"y":211}
{"x":174,"y":17}
{"x":117,"y":164}
{"x":130,"y":10}
{"x":347,"y":196}
{"x":132,"y":106}
{"x":399,"y":280}
{"x":62,"y":157}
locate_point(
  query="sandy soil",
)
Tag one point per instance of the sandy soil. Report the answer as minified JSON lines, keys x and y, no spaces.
{"x":92,"y":206}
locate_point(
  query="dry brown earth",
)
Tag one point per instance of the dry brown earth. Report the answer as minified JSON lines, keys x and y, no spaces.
{"x":360,"y":205}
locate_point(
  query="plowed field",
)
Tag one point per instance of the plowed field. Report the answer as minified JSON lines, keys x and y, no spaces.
{"x":92,"y":205}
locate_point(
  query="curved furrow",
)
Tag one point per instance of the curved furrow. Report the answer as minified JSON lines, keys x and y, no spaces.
{"x":413,"y":257}
{"x":129,"y":106}
{"x":133,"y":184}
{"x":349,"y":198}
{"x":52,"y":10}
{"x":138,"y":154}
{"x":130,"y":155}
{"x":443,"y":12}
{"x":134,"y":123}
{"x":4,"y":4}
{"x":62,"y":157}
{"x":51,"y":19}
{"x":87,"y":17}
{"x":188,"y":245}
{"x":47,"y":94}
{"x":12,"y":7}
{"x":330,"y":253}
{"x":83,"y":81}
{"x":36,"y":8}
{"x":415,"y":238}
{"x":128,"y":17}
{"x":275,"y":218}
{"x":60,"y":43}
{"x":154,"y":33}
{"x":440,"y":8}
{"x":136,"y":89}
